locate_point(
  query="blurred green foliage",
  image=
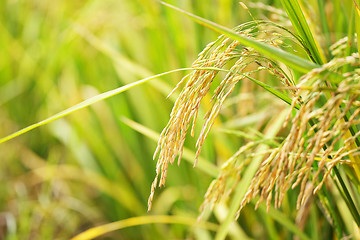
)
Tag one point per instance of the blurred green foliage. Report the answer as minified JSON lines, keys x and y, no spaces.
{"x":91,"y":168}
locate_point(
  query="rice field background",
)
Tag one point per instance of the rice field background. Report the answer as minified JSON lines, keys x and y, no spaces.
{"x":89,"y":174}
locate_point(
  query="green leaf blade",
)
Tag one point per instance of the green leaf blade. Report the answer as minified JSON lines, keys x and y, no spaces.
{"x":302,"y":28}
{"x":291,"y":60}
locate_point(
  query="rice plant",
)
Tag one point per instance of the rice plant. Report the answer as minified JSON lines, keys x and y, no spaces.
{"x":273,"y":104}
{"x":323,"y":135}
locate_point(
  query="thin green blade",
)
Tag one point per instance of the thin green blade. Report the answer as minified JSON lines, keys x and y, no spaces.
{"x":86,"y":103}
{"x":291,"y":60}
{"x":298,"y":21}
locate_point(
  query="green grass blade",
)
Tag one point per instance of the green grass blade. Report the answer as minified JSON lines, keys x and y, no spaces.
{"x":348,"y":198}
{"x":116,"y":91}
{"x":324,"y":24}
{"x":357,"y":22}
{"x":243,"y":185}
{"x":298,"y":21}
{"x":314,"y":224}
{"x":87,"y":103}
{"x":273,"y":91}
{"x":284,"y":221}
{"x":293,"y":61}
{"x":269,"y":223}
{"x":328,"y":202}
{"x":351,"y":37}
{"x":142,"y":220}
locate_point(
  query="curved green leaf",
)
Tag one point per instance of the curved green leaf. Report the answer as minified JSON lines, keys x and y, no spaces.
{"x":293,"y":61}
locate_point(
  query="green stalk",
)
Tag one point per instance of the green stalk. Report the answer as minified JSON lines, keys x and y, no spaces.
{"x":242,"y":187}
{"x":350,"y":36}
{"x":314,"y":224}
{"x":324,"y":24}
{"x":269,"y":225}
{"x":326,"y":199}
{"x":298,"y":21}
{"x":349,"y":201}
{"x":283,"y":220}
{"x":357,"y":22}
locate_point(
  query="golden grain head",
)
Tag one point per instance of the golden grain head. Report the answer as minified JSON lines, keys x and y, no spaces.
{"x":309,"y":153}
{"x":288,"y":166}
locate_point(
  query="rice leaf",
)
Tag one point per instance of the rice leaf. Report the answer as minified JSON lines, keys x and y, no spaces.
{"x":137,"y":221}
{"x":298,"y":21}
{"x":284,"y":221}
{"x":273,"y":91}
{"x":293,"y":61}
{"x":357,"y":22}
{"x":87,"y":103}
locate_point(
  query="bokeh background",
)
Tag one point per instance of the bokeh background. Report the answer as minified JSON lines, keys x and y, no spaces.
{"x":94,"y":166}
